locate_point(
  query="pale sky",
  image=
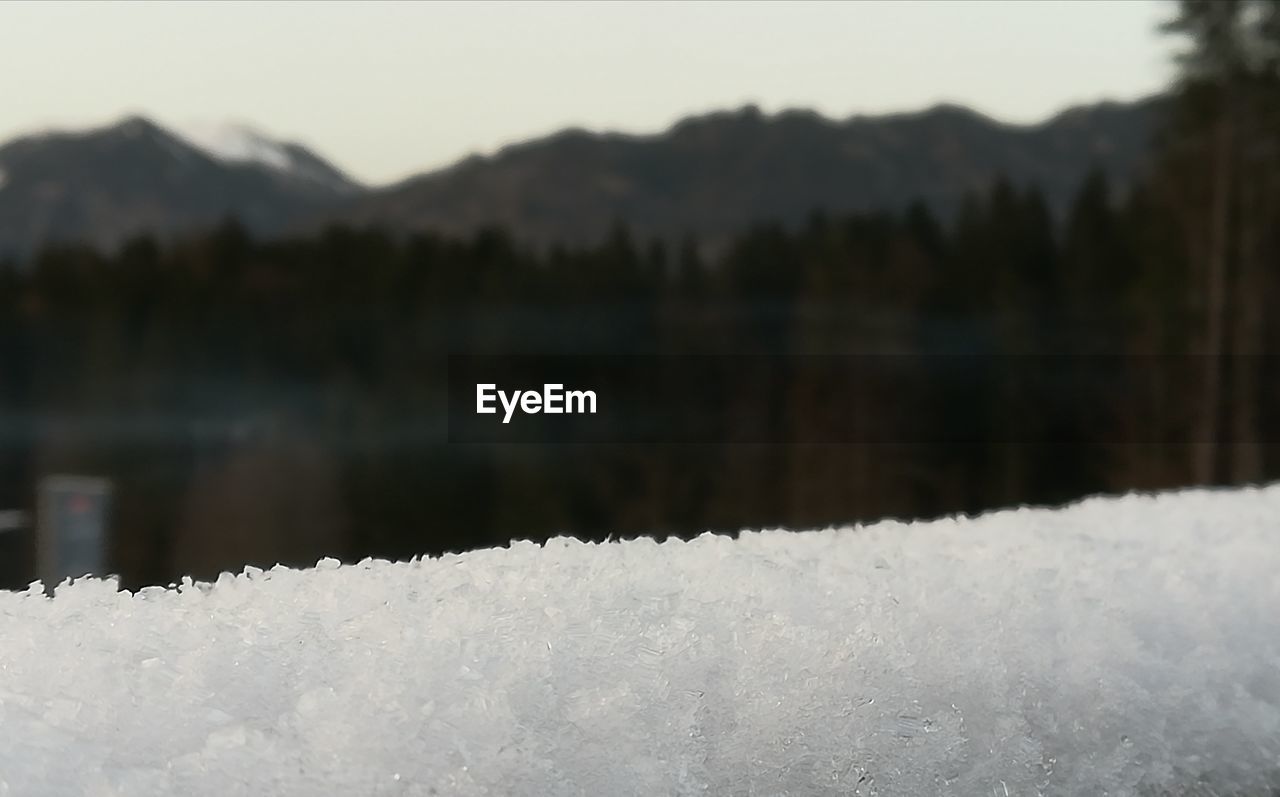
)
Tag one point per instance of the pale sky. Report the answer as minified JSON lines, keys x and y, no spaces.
{"x":386,"y":90}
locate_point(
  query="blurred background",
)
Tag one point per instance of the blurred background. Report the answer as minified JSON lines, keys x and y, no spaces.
{"x":221,"y":346}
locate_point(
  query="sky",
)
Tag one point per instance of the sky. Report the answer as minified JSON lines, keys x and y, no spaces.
{"x":386,"y":90}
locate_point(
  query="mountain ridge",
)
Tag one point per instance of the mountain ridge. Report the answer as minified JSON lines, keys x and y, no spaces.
{"x":708,"y":175}
{"x":712,"y":174}
{"x":103,"y":185}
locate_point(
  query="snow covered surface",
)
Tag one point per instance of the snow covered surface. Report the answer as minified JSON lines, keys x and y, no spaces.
{"x":1119,"y":646}
{"x":237,"y":143}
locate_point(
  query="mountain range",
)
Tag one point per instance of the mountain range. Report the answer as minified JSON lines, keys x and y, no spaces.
{"x":103,"y":186}
{"x":708,"y":176}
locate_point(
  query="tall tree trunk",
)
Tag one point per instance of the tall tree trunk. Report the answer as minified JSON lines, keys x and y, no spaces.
{"x":1216,"y":295}
{"x":1250,"y":293}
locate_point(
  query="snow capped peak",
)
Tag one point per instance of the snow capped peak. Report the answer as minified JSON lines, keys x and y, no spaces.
{"x":238,"y":143}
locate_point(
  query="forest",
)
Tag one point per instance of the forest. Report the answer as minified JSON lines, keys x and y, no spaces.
{"x":277,"y":400}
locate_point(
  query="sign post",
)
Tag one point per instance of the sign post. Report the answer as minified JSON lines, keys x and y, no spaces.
{"x":72,"y":528}
{"x":15,"y":557}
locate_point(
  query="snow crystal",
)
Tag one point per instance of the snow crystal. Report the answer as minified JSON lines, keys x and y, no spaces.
{"x":1119,"y":646}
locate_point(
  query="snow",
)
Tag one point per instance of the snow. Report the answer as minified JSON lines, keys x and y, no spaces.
{"x":1119,"y":646}
{"x":238,"y":144}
